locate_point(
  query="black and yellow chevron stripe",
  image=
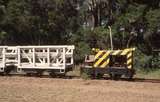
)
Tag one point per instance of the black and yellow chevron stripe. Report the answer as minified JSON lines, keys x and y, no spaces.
{"x":102,"y":58}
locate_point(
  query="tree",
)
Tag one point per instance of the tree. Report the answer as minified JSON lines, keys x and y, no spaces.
{"x":38,"y":22}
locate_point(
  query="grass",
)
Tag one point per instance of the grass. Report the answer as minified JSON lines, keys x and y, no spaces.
{"x":155,"y":74}
{"x":75,"y":72}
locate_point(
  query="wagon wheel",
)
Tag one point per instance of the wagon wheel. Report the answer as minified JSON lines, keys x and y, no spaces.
{"x":52,"y":74}
{"x":28,"y":74}
{"x":39,"y":73}
{"x":62,"y":75}
{"x":8,"y":69}
{"x":1,"y":73}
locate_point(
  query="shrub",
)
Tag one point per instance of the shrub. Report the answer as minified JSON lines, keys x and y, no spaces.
{"x":142,"y":61}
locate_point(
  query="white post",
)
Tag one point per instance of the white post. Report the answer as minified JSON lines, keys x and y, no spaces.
{"x":57,"y":59}
{"x":110,"y":33}
{"x":19,"y":57}
{"x":44,"y":57}
{"x":33,"y":57}
{"x":48,"y":57}
{"x":4,"y":60}
{"x":64,"y":58}
{"x":72,"y":56}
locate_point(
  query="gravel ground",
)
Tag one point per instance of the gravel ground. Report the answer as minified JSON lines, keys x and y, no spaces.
{"x":32,"y":89}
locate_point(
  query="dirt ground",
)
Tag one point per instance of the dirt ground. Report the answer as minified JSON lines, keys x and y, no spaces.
{"x":32,"y":89}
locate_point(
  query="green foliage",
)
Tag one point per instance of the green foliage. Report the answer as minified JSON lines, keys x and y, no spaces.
{"x":2,"y":34}
{"x":37,"y":22}
{"x":99,"y":38}
{"x":156,"y":61}
{"x":85,"y":39}
{"x":81,"y":50}
{"x":83,"y":23}
{"x":152,"y":74}
{"x":153,"y":18}
{"x":142,"y":61}
{"x":85,"y":76}
{"x":132,"y":13}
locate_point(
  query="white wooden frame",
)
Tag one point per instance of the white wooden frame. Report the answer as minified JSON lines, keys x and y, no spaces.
{"x":36,"y":57}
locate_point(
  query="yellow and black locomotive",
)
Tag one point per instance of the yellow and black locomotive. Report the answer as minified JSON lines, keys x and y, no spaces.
{"x":116,"y":63}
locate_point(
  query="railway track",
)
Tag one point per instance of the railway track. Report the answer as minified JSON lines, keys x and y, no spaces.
{"x":78,"y":77}
{"x":146,"y":80}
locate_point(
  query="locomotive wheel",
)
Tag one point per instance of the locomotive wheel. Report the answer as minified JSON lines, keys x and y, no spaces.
{"x":131,"y":74}
{"x":99,"y":76}
{"x":115,"y":76}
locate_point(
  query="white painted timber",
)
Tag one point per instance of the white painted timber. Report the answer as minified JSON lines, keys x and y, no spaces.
{"x":37,"y":57}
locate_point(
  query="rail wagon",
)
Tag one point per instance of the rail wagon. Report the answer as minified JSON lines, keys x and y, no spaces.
{"x":56,"y":59}
{"x":115,"y":63}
